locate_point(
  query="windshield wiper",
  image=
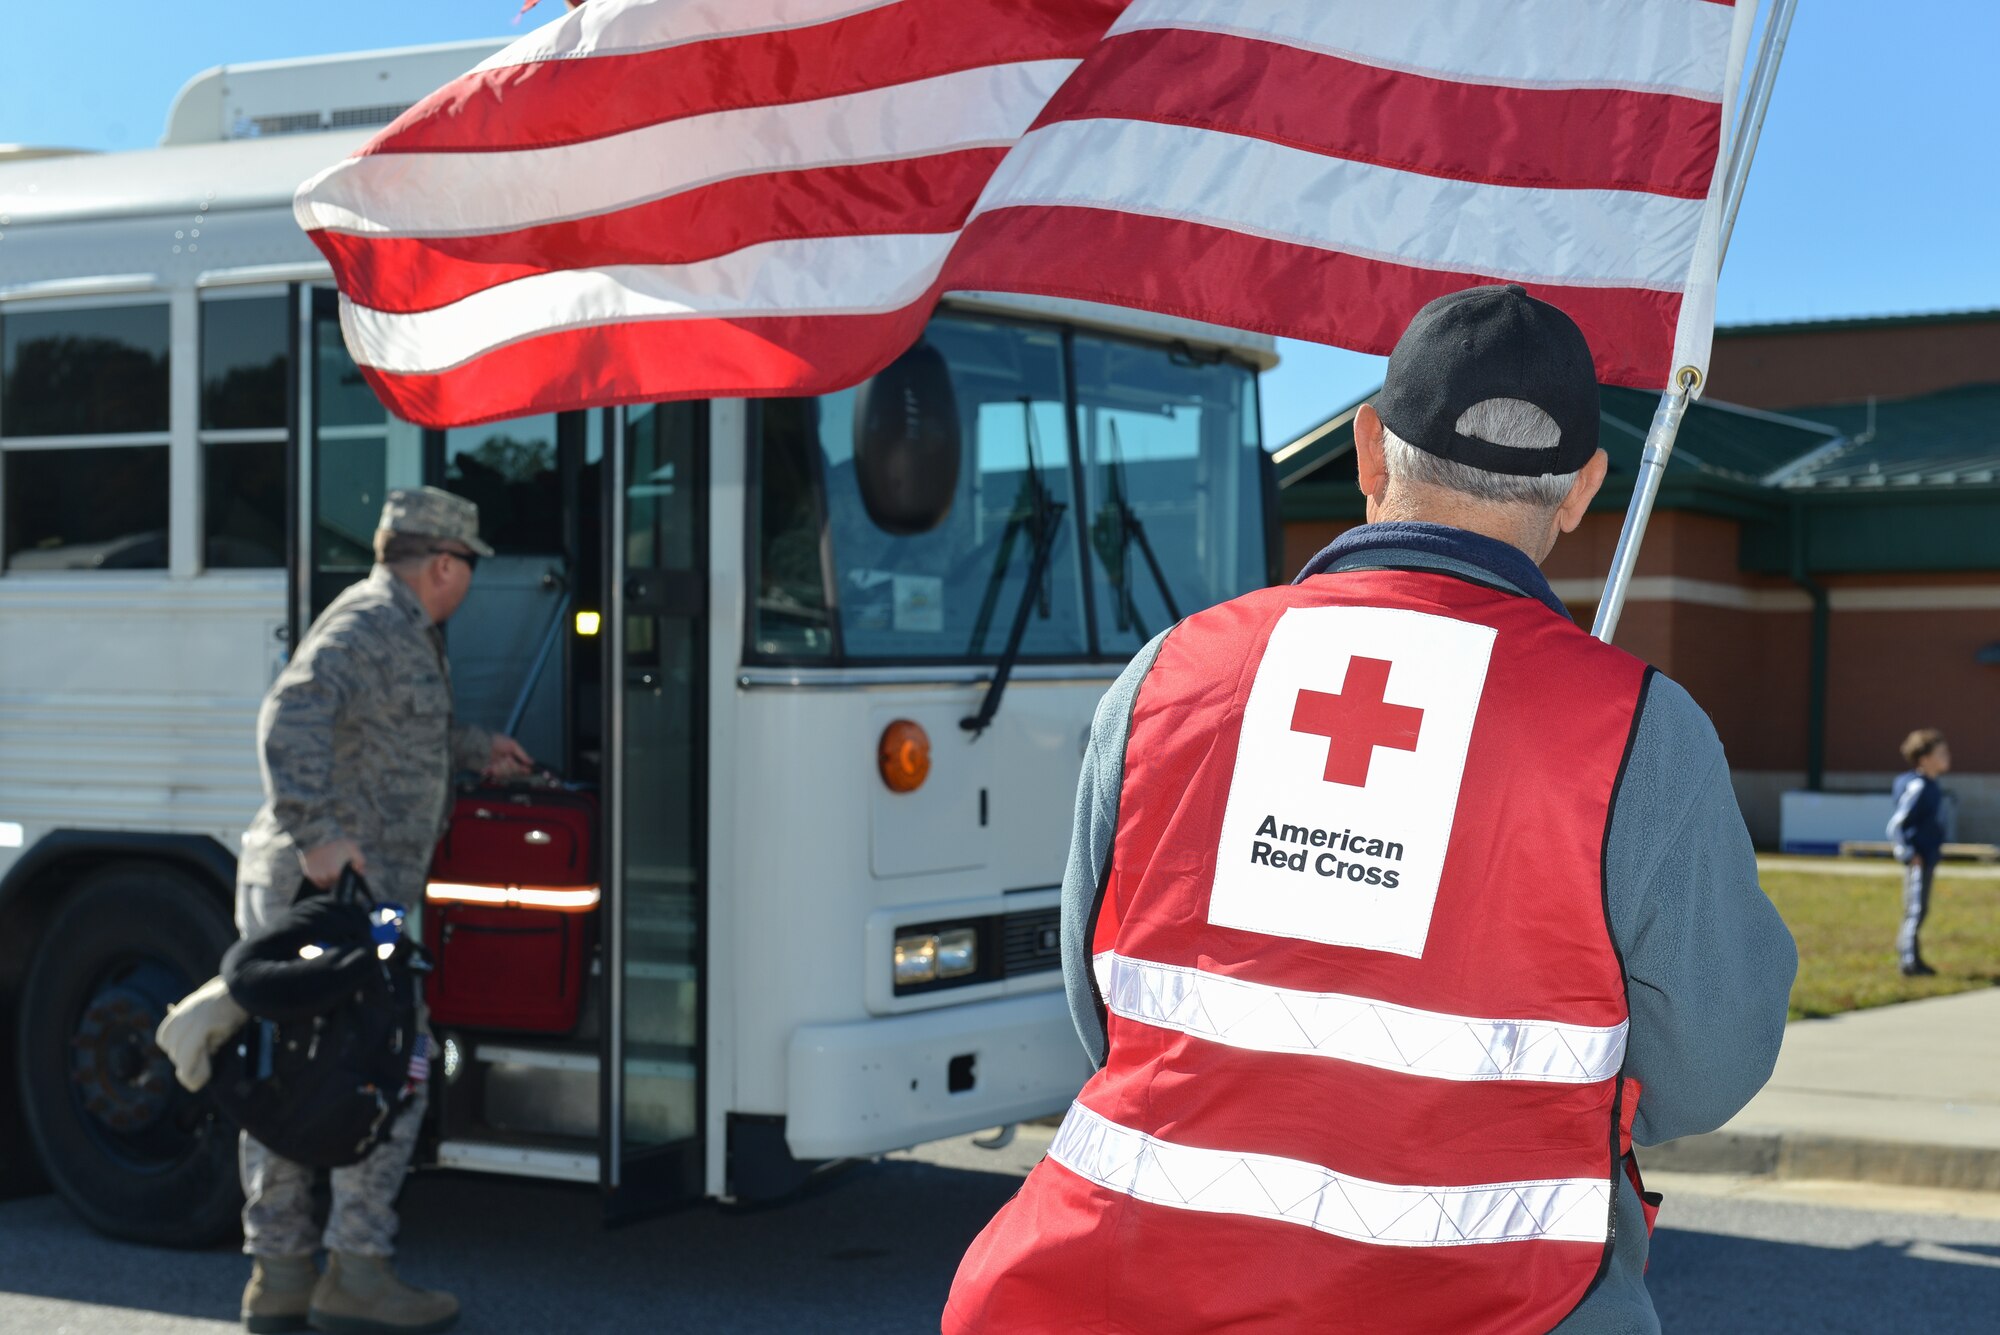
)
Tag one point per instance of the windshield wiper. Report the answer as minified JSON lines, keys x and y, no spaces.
{"x":1031,"y":514}
{"x":1045,"y":542}
{"x":1042,"y":517}
{"x":1116,"y":529}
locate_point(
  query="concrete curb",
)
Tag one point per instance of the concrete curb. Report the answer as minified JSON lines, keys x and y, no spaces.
{"x":1797,"y":1154}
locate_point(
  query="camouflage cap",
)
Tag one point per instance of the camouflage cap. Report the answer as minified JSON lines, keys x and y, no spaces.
{"x":433,"y":513}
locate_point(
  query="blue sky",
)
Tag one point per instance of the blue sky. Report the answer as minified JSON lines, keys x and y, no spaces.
{"x":1876,"y":188}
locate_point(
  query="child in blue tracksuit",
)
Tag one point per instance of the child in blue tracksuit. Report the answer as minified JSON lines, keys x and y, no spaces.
{"x":1917,"y":830}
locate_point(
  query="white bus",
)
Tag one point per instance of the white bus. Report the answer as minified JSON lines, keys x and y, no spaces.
{"x":694,"y":612}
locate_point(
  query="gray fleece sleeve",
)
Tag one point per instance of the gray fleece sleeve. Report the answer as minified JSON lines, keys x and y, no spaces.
{"x":1708,"y":962}
{"x":1097,"y":792}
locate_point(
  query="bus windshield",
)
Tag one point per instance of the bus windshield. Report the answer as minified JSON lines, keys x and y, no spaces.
{"x":1152,"y":489}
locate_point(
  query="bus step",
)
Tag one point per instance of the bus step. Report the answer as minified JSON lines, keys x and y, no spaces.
{"x":517,"y":1160}
{"x":547,"y":1059}
{"x":670,"y":1063}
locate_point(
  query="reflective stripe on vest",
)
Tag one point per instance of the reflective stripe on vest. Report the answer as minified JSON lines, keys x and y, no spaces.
{"x":1246,"y":1014}
{"x":1267,"y":1187}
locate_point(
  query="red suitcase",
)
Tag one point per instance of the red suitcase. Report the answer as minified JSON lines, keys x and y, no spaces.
{"x":507,"y":916}
{"x":537,"y":837}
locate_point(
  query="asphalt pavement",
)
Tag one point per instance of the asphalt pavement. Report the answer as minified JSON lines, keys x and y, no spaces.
{"x":875,"y":1250}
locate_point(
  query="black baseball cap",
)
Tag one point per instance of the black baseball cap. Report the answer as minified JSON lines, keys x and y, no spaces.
{"x":1492,"y":343}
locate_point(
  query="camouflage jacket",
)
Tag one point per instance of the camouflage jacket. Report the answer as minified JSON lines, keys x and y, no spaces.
{"x":356,"y":741}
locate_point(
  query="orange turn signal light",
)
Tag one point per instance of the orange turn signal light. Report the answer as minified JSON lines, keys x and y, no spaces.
{"x":904,"y":756}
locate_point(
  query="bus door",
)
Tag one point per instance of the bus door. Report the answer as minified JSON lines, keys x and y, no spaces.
{"x":522,"y":473}
{"x":652,"y":1068}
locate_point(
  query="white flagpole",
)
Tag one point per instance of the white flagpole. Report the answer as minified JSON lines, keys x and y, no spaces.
{"x":1645,"y":490}
{"x":1674,"y":402}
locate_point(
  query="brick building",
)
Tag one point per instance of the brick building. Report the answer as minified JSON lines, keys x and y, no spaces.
{"x":1823,"y":568}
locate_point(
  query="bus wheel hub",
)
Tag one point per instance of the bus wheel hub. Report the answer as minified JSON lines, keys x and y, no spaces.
{"x":123,"y":1080}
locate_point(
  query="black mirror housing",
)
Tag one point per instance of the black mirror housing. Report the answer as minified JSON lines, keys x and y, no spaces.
{"x":907,"y":443}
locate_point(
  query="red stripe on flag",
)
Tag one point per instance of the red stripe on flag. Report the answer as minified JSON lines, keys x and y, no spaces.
{"x":555,"y":102}
{"x":1275,"y":287}
{"x":651,"y":361}
{"x":404,"y":275}
{"x":1582,"y":138}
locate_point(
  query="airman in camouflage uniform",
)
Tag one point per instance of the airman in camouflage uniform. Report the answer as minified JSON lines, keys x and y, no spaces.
{"x":358,"y":747}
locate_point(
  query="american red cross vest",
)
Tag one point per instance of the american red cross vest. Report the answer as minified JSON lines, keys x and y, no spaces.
{"x":1366,"y":1018}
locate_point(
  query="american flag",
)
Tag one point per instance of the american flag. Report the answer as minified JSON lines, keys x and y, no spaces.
{"x":420,"y":1064}
{"x":658,"y":199}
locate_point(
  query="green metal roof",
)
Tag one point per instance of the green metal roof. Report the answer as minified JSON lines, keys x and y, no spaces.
{"x":1948,"y":438}
{"x":1722,"y":439}
{"x":1332,"y":439}
{"x":1724,"y":452}
{"x":1913,"y":487}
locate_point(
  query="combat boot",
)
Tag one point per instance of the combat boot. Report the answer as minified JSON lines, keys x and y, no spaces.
{"x":361,"y":1295}
{"x":278,"y":1294}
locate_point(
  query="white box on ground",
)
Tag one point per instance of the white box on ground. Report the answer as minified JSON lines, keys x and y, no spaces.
{"x":1810,"y":822}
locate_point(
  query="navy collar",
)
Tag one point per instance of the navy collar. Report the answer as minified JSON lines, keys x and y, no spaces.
{"x":1403,"y":544}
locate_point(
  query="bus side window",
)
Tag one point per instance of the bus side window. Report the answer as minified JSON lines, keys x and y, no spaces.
{"x":246,"y":369}
{"x":70,"y":378}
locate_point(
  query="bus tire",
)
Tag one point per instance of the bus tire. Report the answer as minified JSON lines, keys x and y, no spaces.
{"x":20,"y":1171}
{"x":136,"y":1155}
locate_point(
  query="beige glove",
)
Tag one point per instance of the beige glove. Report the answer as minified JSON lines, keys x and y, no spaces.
{"x":195,"y":1027}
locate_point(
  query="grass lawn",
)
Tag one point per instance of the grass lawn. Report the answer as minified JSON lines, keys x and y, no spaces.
{"x":1845,"y":924}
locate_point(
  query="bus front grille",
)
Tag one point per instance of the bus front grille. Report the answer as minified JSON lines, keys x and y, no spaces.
{"x":1031,"y":942}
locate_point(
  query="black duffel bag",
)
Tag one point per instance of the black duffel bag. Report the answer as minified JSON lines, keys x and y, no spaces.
{"x":323,"y":1066}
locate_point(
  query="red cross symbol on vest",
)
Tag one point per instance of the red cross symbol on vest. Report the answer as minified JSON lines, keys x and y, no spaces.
{"x":1357,"y":721}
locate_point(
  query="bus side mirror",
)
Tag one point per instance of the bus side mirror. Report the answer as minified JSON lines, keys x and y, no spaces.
{"x":907,"y":444}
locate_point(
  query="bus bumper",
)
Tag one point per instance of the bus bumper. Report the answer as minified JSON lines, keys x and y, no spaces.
{"x":888,"y":1083}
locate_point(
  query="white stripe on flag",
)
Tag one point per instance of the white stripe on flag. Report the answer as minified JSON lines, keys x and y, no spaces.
{"x":1245,"y":1014}
{"x":849,"y":275}
{"x":1584,"y":238}
{"x":628,"y":29}
{"x":467,"y":194}
{"x":1290,"y":1191}
{"x":1664,"y":46}
{"x":1694,"y":332}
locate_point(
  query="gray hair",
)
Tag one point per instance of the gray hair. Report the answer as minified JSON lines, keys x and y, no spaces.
{"x":1510,"y":423}
{"x":399,"y":549}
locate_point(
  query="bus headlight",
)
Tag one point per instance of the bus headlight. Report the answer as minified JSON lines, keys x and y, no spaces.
{"x":925,"y":957}
{"x":916,"y":960}
{"x":957,"y":953}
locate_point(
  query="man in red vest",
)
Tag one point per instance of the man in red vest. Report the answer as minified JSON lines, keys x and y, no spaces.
{"x":1398,"y":910}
